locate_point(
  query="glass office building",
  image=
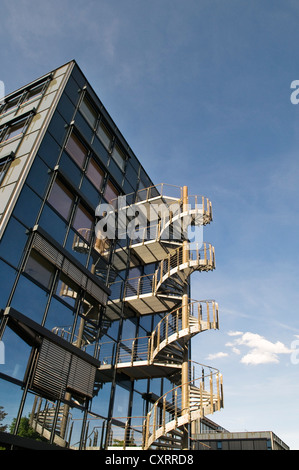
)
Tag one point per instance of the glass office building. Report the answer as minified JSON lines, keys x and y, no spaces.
{"x":95,"y":263}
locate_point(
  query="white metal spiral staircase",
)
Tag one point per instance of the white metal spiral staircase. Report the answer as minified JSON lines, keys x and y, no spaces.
{"x":205,"y":395}
{"x":161,"y":354}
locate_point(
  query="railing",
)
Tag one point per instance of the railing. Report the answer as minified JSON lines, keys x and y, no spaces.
{"x":200,"y":257}
{"x":169,"y":193}
{"x":202,"y":315}
{"x":126,"y":435}
{"x":127,"y":351}
{"x":169,"y":411}
{"x":197,"y":256}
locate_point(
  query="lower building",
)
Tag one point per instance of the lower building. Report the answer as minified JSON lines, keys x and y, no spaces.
{"x":207,"y":435}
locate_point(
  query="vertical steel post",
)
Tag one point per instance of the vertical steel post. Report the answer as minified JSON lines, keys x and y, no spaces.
{"x":185,"y":324}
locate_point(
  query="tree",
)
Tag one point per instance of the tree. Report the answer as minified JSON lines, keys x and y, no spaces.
{"x":25,"y":430}
{"x":3,"y":427}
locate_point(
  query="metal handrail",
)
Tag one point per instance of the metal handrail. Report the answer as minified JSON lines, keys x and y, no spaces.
{"x":204,"y":315}
{"x":168,"y":412}
{"x":197,"y":258}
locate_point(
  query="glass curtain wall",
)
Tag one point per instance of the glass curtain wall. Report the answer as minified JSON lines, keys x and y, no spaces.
{"x":82,"y":161}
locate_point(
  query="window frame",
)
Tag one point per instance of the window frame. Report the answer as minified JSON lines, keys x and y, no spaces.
{"x":74,"y":136}
{"x":121,"y":158}
{"x":4,"y":166}
{"x":5,"y":132}
{"x":22,"y":97}
{"x":63,"y":187}
{"x":92,"y":111}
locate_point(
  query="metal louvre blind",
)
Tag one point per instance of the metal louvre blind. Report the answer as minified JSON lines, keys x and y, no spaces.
{"x":81,"y":377}
{"x":58,"y":371}
{"x":52,"y":370}
{"x":47,"y":250}
{"x":74,"y":273}
{"x":96,"y":292}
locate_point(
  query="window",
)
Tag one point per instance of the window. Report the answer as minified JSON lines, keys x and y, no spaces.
{"x":67,"y":289}
{"x":13,"y":129}
{"x":88,"y":112}
{"x":76,"y":150}
{"x":82,"y":219}
{"x":4,"y":165}
{"x":94,"y":173}
{"x":104,"y":135}
{"x":61,"y":199}
{"x":110,"y":192}
{"x":118,"y":156}
{"x":39,"y":269}
{"x":34,"y":93}
{"x":11,"y":105}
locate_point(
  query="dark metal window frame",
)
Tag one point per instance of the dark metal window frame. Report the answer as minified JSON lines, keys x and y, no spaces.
{"x":100,"y":120}
{"x":5,"y":129}
{"x":22,"y":97}
{"x":4,"y":165}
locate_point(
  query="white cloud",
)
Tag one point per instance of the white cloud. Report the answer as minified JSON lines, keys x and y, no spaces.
{"x":218,"y":355}
{"x":261,"y":350}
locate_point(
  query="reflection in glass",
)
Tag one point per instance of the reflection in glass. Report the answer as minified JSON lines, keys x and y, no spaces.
{"x":28,"y":206}
{"x":60,"y":319}
{"x":118,"y":156}
{"x":121,"y":402}
{"x":88,"y":112}
{"x":67,"y":289}
{"x":110,"y":192}
{"x":7,"y":278}
{"x":61,"y":199}
{"x":17,"y":353}
{"x":39,"y":268}
{"x":95,"y":174}
{"x":13,"y":242}
{"x":15,"y":129}
{"x":83,"y":220}
{"x":53,"y":224}
{"x":104,"y":135}
{"x":76,"y":150}
{"x":30,"y":299}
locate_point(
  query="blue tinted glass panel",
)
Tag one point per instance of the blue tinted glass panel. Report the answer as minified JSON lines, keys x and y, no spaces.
{"x":49,"y":150}
{"x":60,"y":318}
{"x":53,"y":224}
{"x":30,"y":299}
{"x":69,"y":167}
{"x":39,"y":177}
{"x":61,"y":199}
{"x":90,"y":192}
{"x":57,"y":128}
{"x":13,"y":242}
{"x":66,"y":108}
{"x":83,"y":127}
{"x":7,"y":278}
{"x":27,"y":207}
{"x":17,"y":353}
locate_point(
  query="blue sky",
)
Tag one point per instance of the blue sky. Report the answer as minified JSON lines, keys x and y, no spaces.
{"x":201,"y":91}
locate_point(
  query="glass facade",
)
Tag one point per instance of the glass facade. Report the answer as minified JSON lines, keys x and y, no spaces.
{"x":67,"y":319}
